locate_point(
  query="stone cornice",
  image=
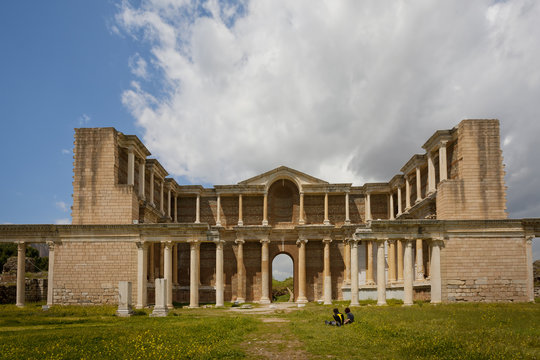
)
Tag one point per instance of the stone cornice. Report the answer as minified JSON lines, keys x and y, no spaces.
{"x":153,"y":164}
{"x":127,"y":141}
{"x":377,"y":188}
{"x":440,"y":135}
{"x":414,"y":161}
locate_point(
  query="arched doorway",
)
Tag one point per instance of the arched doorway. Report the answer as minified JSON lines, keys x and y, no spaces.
{"x":283,"y":278}
{"x":283,"y":203}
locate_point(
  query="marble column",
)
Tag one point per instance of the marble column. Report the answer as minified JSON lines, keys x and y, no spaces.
{"x":418,"y":184}
{"x":152,"y":274}
{"x":50,"y":274}
{"x":161,"y":198}
{"x":240,"y":211}
{"x":175,"y":208}
{"x":419,"y":261}
{"x":347,"y":215}
{"x":142,"y":267}
{"x":391,"y":206}
{"x":408,"y":269}
{"x":265,"y":275}
{"x":194,"y":274}
{"x":391,"y":261}
{"x":219,"y":273}
{"x":399,"y":260}
{"x":240,"y":296}
{"x":21,"y":272}
{"x":347,"y":261}
{"x":169,"y":203}
{"x":265,"y":209}
{"x":131,"y":167}
{"x":530,"y":271}
{"x":327,"y":274}
{"x":167,"y":261}
{"x":301,"y":242}
{"x":326,"y":220}
{"x":161,"y":262}
{"x":141,"y":179}
{"x":354,"y":272}
{"x":431,"y":173}
{"x":152,"y":186}
{"x":175,"y":264}
{"x":301,"y":219}
{"x":218,"y":211}
{"x":381,"y":276}
{"x":198,"y":209}
{"x":399,"y":209}
{"x":436,"y":288}
{"x":369,"y":263}
{"x":443,"y":167}
{"x":407,"y":194}
{"x":368,"y":207}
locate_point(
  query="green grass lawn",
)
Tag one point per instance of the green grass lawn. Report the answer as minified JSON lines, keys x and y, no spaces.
{"x":454,"y":331}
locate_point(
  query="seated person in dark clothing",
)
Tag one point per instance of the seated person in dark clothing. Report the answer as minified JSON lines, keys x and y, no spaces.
{"x":349,"y":315}
{"x":338,"y":319}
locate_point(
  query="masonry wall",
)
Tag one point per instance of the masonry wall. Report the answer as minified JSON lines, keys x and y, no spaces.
{"x":99,"y":197}
{"x":484,"y":269}
{"x":89,"y":272}
{"x":476,"y":189}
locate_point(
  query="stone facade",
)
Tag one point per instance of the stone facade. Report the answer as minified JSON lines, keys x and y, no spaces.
{"x":438,"y":230}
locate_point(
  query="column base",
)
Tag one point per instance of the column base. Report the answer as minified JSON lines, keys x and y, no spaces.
{"x":159,"y":312}
{"x":407,"y":304}
{"x":240,"y":223}
{"x":347,"y":222}
{"x":170,"y":307}
{"x":264,"y":301}
{"x":354,"y":304}
{"x":418,"y":201}
{"x":326,"y":222}
{"x":381,"y":303}
{"x":218,"y":224}
{"x":193,"y":306}
{"x":301,"y":222}
{"x":265,"y":223}
{"x":240,"y":300}
{"x":19,"y":305}
{"x":124,"y":312}
{"x":301,"y":300}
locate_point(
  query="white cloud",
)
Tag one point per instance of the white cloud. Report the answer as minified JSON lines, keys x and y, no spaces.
{"x":84,"y":119}
{"x":282,"y":267}
{"x":62,"y":205}
{"x":137,"y":65}
{"x":65,"y":221}
{"x":66,"y":151}
{"x":347,"y":91}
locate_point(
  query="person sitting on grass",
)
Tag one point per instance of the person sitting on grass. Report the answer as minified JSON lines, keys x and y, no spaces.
{"x":338,"y":319}
{"x":350,"y":316}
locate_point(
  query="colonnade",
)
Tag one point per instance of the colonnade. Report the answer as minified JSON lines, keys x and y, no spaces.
{"x":405,"y":270}
{"x":404,"y":273}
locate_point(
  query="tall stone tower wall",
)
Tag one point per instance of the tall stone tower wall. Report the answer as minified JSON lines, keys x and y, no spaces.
{"x":98,"y":197}
{"x":477,"y":190}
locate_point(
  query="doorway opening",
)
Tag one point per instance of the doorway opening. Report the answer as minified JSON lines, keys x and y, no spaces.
{"x":282,"y":278}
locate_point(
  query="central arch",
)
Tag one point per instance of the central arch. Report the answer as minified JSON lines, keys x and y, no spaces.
{"x":283,"y":203}
{"x":283,"y":274}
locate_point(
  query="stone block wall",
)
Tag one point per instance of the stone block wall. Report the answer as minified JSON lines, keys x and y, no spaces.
{"x":484,"y":269}
{"x":98,"y":195}
{"x":89,"y":272}
{"x":476,"y":188}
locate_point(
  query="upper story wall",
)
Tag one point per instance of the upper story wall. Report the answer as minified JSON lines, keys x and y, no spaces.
{"x":476,"y":189}
{"x":460,"y":176}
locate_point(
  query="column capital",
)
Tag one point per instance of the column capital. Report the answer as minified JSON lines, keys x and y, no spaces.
{"x":168,"y":244}
{"x":265,"y":240}
{"x":443,"y":143}
{"x":327,"y":239}
{"x":219,"y":241}
{"x":141,"y":244}
{"x":529,"y":239}
{"x":239,"y":241}
{"x":391,"y":241}
{"x":438,"y":241}
{"x":353,"y":241}
{"x":52,"y":244}
{"x":301,"y":240}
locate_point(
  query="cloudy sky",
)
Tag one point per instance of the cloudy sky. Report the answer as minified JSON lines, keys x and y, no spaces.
{"x":220,"y":91}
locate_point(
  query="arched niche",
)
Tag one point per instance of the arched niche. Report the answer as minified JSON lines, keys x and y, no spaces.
{"x":283,"y":203}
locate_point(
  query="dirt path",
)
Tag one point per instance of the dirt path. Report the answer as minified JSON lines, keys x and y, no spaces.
{"x":274,"y":341}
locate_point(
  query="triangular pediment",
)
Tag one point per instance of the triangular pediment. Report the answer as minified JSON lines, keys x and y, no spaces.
{"x":282,"y":172}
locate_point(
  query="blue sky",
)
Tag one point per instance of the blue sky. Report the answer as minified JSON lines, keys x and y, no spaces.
{"x":220,"y":91}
